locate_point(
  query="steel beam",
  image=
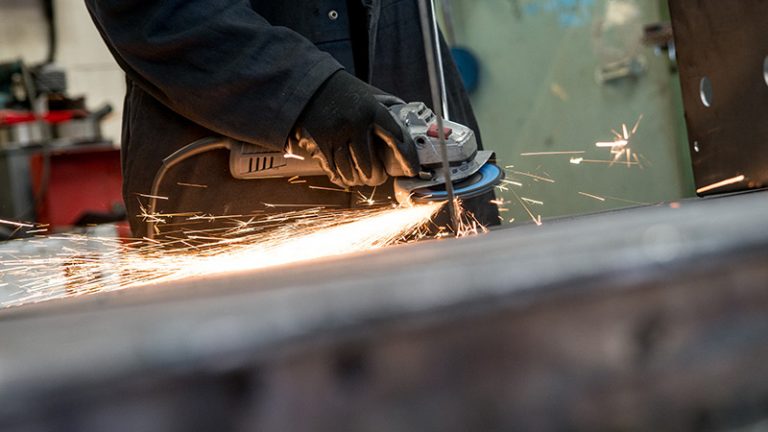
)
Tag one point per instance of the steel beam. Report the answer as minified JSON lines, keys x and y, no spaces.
{"x":644,"y":319}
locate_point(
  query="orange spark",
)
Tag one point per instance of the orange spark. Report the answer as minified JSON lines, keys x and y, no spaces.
{"x":86,"y":265}
{"x":718,"y":185}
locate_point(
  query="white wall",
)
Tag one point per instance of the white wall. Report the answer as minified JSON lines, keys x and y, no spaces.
{"x":91,"y":71}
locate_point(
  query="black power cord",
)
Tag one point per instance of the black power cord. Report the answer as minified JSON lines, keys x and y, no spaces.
{"x":190,"y":150}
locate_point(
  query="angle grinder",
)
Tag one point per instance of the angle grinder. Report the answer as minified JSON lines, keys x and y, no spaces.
{"x":472,"y":171}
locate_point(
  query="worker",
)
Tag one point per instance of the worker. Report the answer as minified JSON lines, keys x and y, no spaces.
{"x":317,"y":72}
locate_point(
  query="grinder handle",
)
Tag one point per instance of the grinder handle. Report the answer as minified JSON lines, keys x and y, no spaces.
{"x":251,"y":162}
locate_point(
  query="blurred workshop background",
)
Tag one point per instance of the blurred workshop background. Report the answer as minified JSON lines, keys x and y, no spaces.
{"x":544,"y":75}
{"x":62,"y":170}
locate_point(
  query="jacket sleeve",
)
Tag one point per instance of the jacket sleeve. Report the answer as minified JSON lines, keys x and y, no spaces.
{"x":216,"y":62}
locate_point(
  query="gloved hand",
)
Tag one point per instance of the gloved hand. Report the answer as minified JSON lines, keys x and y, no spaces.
{"x":348,"y":129}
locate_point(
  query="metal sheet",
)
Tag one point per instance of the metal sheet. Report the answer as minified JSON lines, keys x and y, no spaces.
{"x":722,"y":48}
{"x":647,"y":319}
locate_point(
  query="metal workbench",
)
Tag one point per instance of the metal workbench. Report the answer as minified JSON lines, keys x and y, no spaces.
{"x":644,"y":319}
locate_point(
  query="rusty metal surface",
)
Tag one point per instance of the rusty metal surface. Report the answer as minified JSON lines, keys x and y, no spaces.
{"x":646,"y":319}
{"x":722,"y":45}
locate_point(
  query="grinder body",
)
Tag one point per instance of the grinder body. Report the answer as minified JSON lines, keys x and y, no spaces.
{"x":466,"y":162}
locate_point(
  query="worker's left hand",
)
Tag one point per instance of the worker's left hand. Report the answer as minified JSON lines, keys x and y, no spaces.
{"x":349,"y":130}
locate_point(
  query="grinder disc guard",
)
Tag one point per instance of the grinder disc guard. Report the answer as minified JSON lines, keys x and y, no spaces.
{"x":477,"y":184}
{"x":481,"y":181}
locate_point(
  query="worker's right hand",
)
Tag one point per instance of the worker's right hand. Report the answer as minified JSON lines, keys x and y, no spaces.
{"x":348,"y":129}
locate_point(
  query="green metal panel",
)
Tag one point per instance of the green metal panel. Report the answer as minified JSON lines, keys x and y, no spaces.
{"x":539,"y":93}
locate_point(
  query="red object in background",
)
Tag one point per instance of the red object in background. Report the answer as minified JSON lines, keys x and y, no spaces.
{"x":61,"y":116}
{"x":12,"y":117}
{"x":8,"y":117}
{"x":81,"y":181}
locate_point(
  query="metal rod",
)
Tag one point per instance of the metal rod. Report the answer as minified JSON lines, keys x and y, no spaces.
{"x":439,"y":55}
{"x":437,"y":85}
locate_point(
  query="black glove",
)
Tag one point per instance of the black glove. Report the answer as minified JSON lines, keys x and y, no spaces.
{"x":347,"y":127}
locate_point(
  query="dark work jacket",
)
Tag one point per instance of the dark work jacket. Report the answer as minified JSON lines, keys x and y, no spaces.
{"x":246,"y":69}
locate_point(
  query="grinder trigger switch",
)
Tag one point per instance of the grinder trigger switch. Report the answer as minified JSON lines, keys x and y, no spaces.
{"x":432,"y":132}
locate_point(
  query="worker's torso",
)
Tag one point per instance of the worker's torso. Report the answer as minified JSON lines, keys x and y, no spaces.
{"x":334,"y":26}
{"x":314,"y":19}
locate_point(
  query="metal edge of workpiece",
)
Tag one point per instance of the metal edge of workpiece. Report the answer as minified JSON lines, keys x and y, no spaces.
{"x":213,"y":318}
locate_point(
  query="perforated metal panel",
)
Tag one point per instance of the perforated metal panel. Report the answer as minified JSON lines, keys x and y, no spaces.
{"x":722,"y":53}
